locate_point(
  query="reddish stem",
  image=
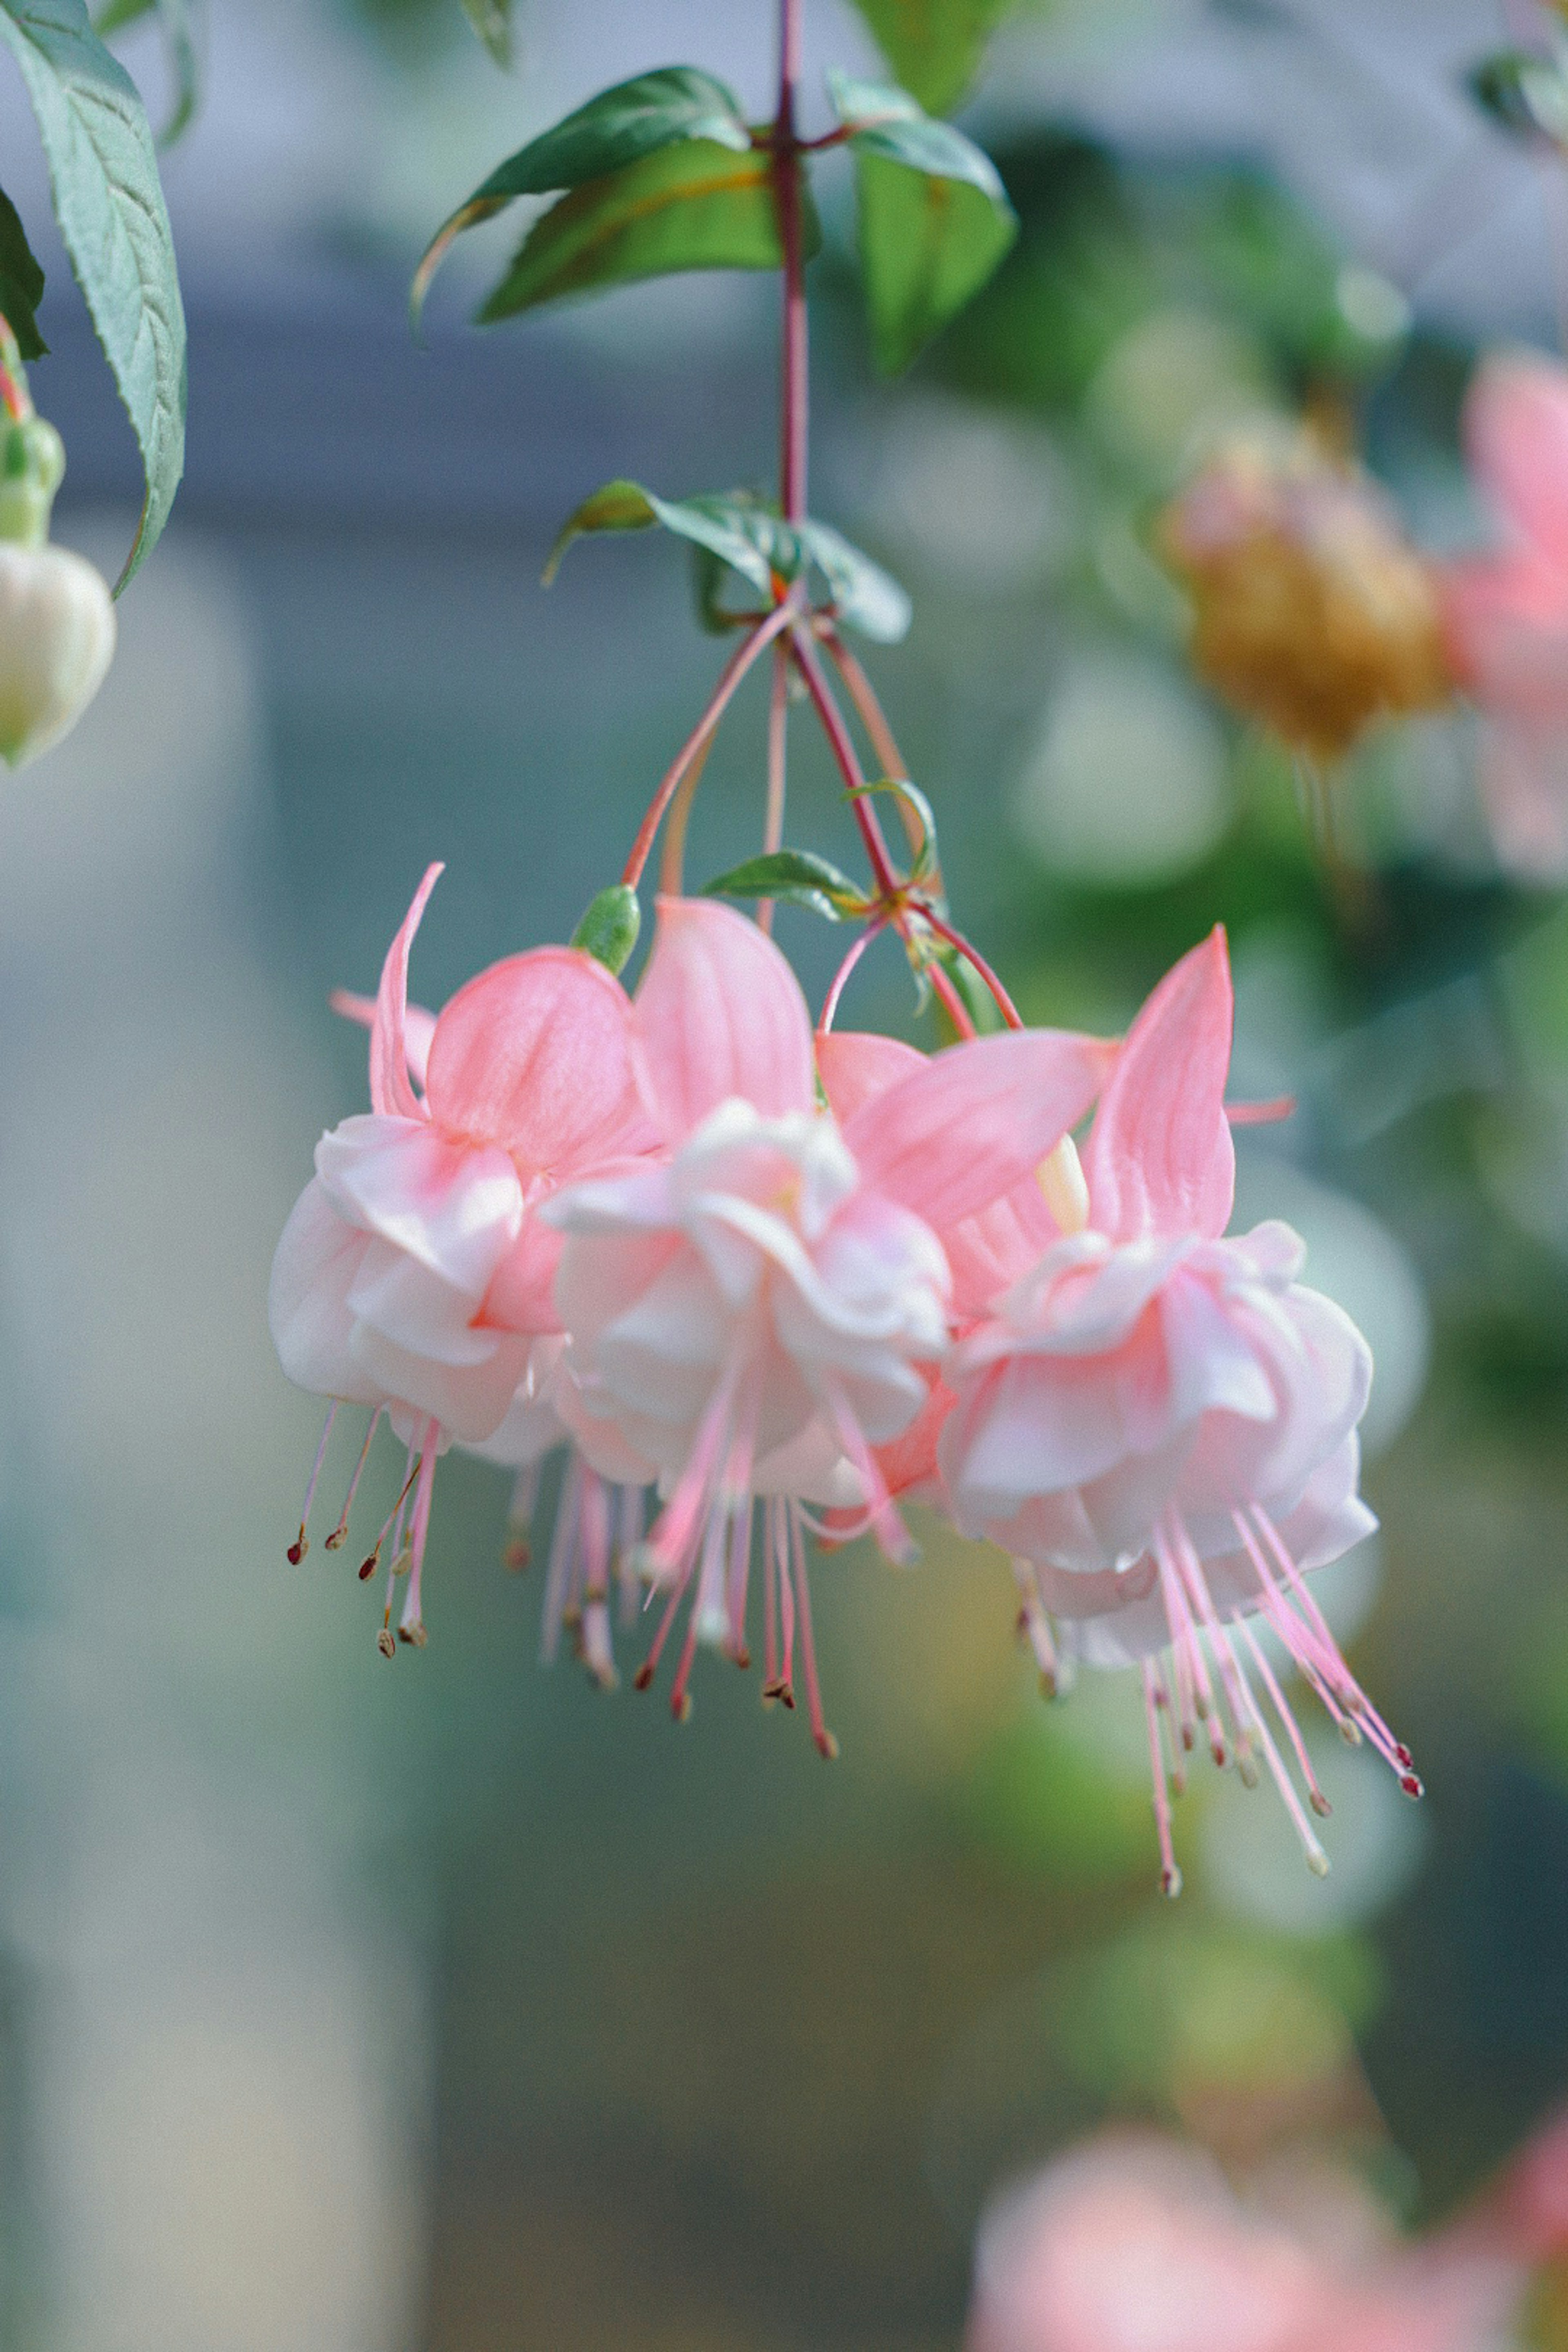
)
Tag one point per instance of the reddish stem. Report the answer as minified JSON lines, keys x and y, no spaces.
{"x":863,"y":697}
{"x":778,"y":725}
{"x":972,"y":955}
{"x":793,"y":417}
{"x":729,"y":677}
{"x":957,"y":1012}
{"x":830,"y":1003}
{"x":837,"y":734}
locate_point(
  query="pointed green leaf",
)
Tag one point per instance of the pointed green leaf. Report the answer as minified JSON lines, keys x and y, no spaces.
{"x":867,"y":598}
{"x":1501,"y":85}
{"x":103,"y":173}
{"x":738,"y":530}
{"x":796,"y":876}
{"x":927,"y":244}
{"x":934,"y":216}
{"x":21,"y":282}
{"x":638,"y":118}
{"x":492,"y":20}
{"x":934,"y":46}
{"x":618,"y":506}
{"x":883,"y":121}
{"x":693,"y":207}
{"x":608,"y":930}
{"x":179,"y":38}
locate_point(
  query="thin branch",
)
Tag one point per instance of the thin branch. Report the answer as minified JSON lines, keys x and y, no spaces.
{"x":729,"y":677}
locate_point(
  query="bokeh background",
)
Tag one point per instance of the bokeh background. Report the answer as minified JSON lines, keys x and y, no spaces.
{"x":449,"y":2003}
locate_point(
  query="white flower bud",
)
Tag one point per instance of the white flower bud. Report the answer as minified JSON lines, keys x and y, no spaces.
{"x":56,"y":640}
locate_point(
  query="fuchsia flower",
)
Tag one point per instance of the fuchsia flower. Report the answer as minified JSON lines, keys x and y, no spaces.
{"x":414,"y":1275}
{"x":1139,"y":2244}
{"x":1159,"y":1423}
{"x":758,"y":1311}
{"x":1505,"y":614}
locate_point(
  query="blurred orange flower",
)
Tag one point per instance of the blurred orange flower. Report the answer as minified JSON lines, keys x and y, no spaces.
{"x":1311,"y":612}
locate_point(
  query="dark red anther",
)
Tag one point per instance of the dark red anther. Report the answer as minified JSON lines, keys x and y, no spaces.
{"x":1411,"y":1784}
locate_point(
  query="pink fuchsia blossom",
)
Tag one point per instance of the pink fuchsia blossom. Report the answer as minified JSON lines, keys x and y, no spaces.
{"x":1153,"y":1414}
{"x":756,"y":1313}
{"x":1505,"y":614}
{"x":414,"y":1275}
{"x":1137,"y":2243}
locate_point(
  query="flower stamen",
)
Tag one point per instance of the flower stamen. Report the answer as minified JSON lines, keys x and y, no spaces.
{"x":338,"y":1536}
{"x":300,"y":1547}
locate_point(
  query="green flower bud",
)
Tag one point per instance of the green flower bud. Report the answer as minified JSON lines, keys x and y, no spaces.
{"x":32,"y":464}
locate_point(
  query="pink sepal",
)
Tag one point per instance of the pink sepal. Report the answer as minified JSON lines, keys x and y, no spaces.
{"x":390,"y":1091}
{"x":970,"y":1124}
{"x":856,"y":1064}
{"x":1160,"y":1156}
{"x":534,"y":1054}
{"x":719,"y":1014}
{"x":418,"y":1026}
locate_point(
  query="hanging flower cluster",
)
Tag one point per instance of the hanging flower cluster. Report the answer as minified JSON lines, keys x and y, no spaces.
{"x":766,"y":1282}
{"x":749,"y":1276}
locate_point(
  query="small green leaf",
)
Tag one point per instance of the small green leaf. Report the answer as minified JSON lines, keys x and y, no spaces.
{"x":492,"y":20}
{"x":21,"y":282}
{"x":934,"y":219}
{"x":638,"y":118}
{"x":179,"y":37}
{"x":796,"y":876}
{"x":618,"y":506}
{"x":883,"y":121}
{"x":1501,"y":87}
{"x":867,"y":598}
{"x":738,"y":530}
{"x":934,"y":46}
{"x":608,"y":930}
{"x":695,"y":207}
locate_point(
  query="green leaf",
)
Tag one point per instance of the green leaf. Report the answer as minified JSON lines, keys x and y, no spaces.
{"x":695,"y":207}
{"x":867,"y":598}
{"x":934,"y":216}
{"x":796,"y":876}
{"x":492,"y":20}
{"x":179,"y":38}
{"x":103,"y":173}
{"x":883,"y":121}
{"x":638,"y":118}
{"x":934,"y":46}
{"x":1501,"y":85}
{"x":608,"y":930}
{"x":739,"y":531}
{"x":21,"y":282}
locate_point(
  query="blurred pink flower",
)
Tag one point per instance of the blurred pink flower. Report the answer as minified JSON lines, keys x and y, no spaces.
{"x":1137,"y":2243}
{"x":1505,"y":614}
{"x":1159,"y":1423}
{"x":413,"y":1273}
{"x":754,"y":1315}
